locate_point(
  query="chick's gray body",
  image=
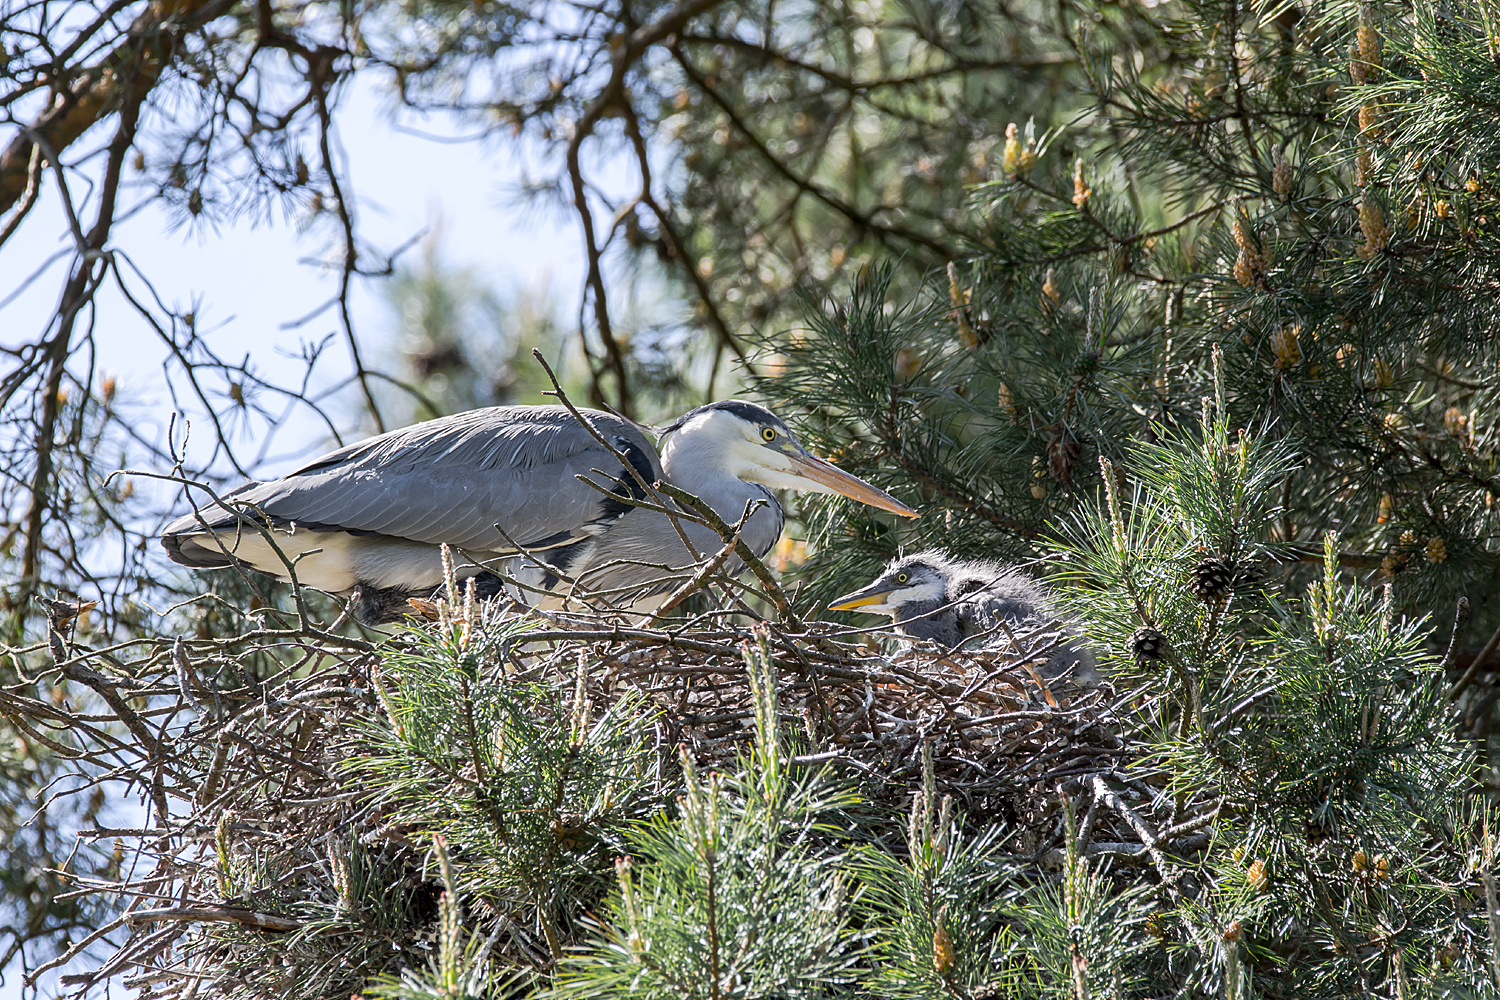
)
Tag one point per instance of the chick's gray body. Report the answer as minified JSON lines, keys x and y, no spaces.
{"x":964,"y":603}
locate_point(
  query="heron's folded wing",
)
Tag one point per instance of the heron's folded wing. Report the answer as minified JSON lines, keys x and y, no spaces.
{"x":453,"y":479}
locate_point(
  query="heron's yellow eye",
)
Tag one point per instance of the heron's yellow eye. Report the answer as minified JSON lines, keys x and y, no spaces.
{"x":901,"y":578}
{"x":769,"y":433}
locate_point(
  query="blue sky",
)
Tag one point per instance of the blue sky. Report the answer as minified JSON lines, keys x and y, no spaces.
{"x":253,"y":280}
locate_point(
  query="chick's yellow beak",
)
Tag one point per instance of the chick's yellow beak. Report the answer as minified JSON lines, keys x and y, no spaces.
{"x":862,"y":598}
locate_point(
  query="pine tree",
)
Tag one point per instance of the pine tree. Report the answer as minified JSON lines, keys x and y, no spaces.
{"x":1208,"y":337}
{"x":1276,"y":802}
{"x":1308,"y":190}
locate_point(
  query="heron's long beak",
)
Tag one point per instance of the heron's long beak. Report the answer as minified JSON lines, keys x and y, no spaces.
{"x":836,"y":480}
{"x":862,"y":598}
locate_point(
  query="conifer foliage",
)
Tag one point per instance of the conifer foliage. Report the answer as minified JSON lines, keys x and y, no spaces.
{"x":1275,"y":804}
{"x":1209,"y":339}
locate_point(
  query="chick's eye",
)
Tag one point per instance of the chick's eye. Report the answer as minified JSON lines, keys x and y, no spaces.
{"x":769,"y":433}
{"x":900,"y":577}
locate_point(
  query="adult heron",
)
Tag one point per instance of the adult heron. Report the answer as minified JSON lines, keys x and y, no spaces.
{"x":963,"y":603}
{"x":501,"y":487}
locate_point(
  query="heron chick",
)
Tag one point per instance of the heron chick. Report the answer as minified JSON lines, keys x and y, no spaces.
{"x":501,"y":486}
{"x":963,"y":603}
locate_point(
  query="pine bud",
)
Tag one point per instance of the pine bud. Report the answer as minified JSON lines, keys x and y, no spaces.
{"x":942,"y":946}
{"x":1369,"y":119}
{"x":1442,"y":209}
{"x":1436,"y":550}
{"x":1049,"y":287}
{"x":1359,"y":862}
{"x":1372,"y":224}
{"x":1408,"y":538}
{"x":1253,"y":262}
{"x":1008,"y":403}
{"x":1243,"y":237}
{"x":1364,"y":61}
{"x":1233,"y":932}
{"x":1038,"y":478}
{"x":1256,"y":877}
{"x":915,"y":821}
{"x":1281,"y":174}
{"x":1243,"y":272}
{"x":1287,"y":347}
{"x":1385,"y":509}
{"x":1016,"y":161}
{"x":1081,"y":190}
{"x":960,"y":300}
{"x":1362,"y":168}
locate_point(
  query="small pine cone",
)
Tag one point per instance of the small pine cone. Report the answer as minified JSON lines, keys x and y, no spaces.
{"x":1212,"y":580}
{"x":1148,"y":645}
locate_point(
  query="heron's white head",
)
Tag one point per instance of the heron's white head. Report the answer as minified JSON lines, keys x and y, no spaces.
{"x":752,"y":444}
{"x":907,"y":581}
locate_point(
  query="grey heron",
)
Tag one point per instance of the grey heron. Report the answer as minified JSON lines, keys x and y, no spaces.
{"x":500,"y":486}
{"x":952,"y":602}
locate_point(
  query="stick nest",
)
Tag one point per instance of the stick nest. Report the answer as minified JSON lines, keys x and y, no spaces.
{"x":235,"y":744}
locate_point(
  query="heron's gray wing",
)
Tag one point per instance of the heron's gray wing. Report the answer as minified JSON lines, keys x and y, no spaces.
{"x":453,"y":479}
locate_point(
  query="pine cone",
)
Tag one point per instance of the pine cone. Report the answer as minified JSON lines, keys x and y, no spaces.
{"x":1212,"y":580}
{"x":1147,"y":645}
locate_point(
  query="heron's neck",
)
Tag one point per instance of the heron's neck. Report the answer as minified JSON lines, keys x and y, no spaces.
{"x":698,"y":468}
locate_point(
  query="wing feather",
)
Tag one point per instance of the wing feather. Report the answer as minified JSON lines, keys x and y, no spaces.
{"x":452,"y":479}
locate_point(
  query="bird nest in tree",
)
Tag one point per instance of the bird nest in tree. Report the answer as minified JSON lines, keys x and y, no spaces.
{"x":996,"y":729}
{"x":239,"y":748}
